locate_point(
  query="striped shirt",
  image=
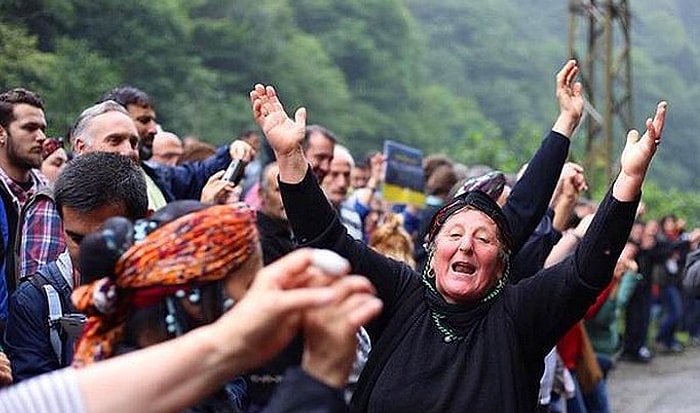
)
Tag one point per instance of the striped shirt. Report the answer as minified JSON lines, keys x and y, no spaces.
{"x":55,"y":392}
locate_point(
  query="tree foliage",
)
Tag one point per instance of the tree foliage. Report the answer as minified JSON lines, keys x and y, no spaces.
{"x":474,"y":80}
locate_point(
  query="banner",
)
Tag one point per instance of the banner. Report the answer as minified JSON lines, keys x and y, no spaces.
{"x":403,"y":174}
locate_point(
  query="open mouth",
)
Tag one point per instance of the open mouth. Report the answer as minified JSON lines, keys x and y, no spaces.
{"x":464,"y":268}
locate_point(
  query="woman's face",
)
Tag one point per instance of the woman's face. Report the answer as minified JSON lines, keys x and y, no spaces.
{"x":466,"y":260}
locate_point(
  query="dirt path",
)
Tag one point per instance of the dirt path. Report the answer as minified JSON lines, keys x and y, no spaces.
{"x":667,"y":384}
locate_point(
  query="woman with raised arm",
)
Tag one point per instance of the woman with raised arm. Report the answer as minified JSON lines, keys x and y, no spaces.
{"x":459,"y":337}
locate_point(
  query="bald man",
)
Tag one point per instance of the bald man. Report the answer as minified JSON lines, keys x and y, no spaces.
{"x":167,"y":148}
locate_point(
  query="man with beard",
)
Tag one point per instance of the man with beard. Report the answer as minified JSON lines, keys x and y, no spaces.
{"x":141,"y":111}
{"x":107,"y":127}
{"x":22,"y":126}
{"x":318,"y":147}
{"x":166,"y":184}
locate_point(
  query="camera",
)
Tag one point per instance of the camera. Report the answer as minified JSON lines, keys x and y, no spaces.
{"x":234,"y":172}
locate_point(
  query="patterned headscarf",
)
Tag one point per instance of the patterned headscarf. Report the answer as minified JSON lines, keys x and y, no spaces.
{"x":202,"y":246}
{"x":476,"y":200}
{"x":491,"y":183}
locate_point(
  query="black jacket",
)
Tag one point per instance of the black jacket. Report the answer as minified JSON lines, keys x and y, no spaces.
{"x":496,"y":367}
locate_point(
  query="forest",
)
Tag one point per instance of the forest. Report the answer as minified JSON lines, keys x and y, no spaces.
{"x":474,"y":80}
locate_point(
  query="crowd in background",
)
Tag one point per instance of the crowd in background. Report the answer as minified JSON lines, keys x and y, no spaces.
{"x":62,"y":198}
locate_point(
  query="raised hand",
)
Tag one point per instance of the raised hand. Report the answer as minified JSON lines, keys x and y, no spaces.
{"x":571,"y":183}
{"x":570,"y":97}
{"x":638,"y":152}
{"x":376,"y":163}
{"x":284,"y":134}
{"x":637,"y":155}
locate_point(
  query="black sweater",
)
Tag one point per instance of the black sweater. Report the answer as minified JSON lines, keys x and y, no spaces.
{"x":497,"y":366}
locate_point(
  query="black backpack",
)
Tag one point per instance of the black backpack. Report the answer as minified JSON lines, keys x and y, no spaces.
{"x":64,"y":324}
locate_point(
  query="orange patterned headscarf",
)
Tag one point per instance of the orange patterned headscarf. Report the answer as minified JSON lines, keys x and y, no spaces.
{"x":202,"y":246}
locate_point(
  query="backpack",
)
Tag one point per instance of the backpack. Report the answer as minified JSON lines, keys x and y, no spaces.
{"x":43,"y":191}
{"x":64,"y":324}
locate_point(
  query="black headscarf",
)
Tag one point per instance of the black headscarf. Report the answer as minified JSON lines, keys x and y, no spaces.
{"x":453,"y":319}
{"x":476,"y":200}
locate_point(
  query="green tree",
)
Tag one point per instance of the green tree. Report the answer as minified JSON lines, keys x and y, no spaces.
{"x":375,"y":45}
{"x":477,"y":49}
{"x":21,"y":60}
{"x":293,"y":61}
{"x":66,"y":96}
{"x":660,"y":201}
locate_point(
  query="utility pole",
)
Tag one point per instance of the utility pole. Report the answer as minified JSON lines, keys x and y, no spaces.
{"x":599,"y":39}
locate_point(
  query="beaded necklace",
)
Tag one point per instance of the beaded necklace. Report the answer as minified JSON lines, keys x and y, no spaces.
{"x":448,"y":333}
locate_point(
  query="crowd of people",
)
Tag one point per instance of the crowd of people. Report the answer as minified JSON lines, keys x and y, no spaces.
{"x":300,"y":287}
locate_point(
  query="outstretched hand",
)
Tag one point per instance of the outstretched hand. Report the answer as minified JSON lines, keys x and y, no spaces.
{"x":376,"y":164}
{"x":284,"y":134}
{"x":638,"y":151}
{"x":240,"y":149}
{"x":637,"y":155}
{"x":570,"y":97}
{"x":571,"y":183}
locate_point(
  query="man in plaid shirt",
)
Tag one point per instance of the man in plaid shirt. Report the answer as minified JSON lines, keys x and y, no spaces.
{"x":22,"y":125}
